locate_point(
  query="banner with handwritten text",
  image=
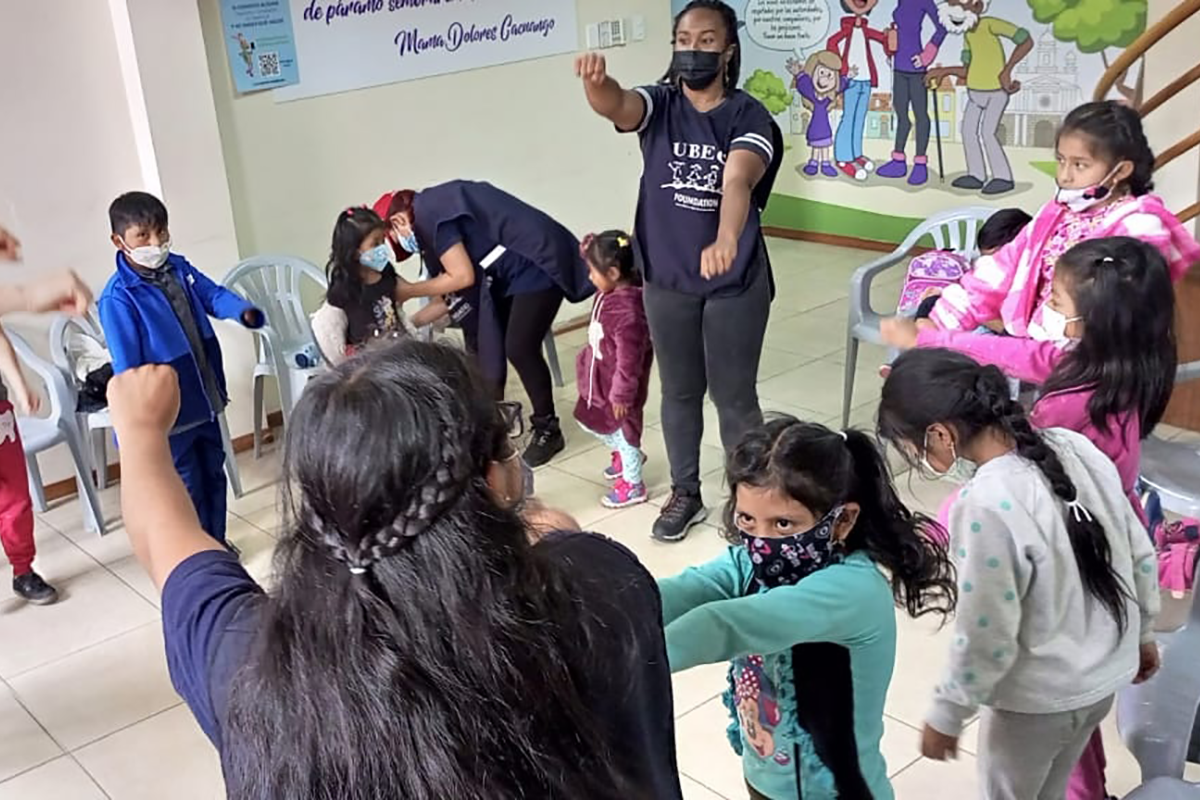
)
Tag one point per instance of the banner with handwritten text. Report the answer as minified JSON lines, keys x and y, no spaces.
{"x":353,"y":44}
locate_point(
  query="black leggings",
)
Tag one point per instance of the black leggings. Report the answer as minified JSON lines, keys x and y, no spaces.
{"x":527,"y":318}
{"x":909,"y":92}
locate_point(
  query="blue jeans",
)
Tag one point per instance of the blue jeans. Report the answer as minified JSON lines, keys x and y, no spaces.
{"x":848,"y":143}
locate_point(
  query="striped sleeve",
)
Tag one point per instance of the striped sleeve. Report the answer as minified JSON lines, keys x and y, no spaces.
{"x":753,"y":131}
{"x":654,"y":97}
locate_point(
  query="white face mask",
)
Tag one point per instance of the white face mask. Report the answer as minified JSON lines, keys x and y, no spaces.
{"x":961,"y":470}
{"x":1055,"y":323}
{"x":1082,"y":199}
{"x":150,"y":256}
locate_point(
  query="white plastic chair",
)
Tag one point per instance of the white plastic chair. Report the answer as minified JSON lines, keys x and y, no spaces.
{"x":1173,"y":468}
{"x":273,"y":284}
{"x":60,"y":427}
{"x":953,"y":230}
{"x":96,"y":424}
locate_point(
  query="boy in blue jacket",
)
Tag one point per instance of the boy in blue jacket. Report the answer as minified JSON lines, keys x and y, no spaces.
{"x":155,"y":310}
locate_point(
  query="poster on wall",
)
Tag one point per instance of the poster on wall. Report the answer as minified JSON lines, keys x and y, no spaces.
{"x":258,"y":38}
{"x":355,"y":44}
{"x":922,"y":105}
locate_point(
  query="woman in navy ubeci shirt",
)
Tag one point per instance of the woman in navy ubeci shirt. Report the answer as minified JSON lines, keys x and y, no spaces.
{"x":504,"y":267}
{"x":710,"y":155}
{"x":416,"y":643}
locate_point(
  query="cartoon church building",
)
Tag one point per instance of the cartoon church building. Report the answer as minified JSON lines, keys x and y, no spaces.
{"x":1049,"y":90}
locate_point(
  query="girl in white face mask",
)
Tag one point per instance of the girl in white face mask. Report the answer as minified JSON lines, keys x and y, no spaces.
{"x":1057,"y":579}
{"x":1103,"y":188}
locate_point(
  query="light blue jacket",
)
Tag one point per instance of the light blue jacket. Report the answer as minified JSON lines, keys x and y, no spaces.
{"x":809,"y":673}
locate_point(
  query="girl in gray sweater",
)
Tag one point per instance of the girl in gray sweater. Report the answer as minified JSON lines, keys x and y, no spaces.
{"x":1057,"y":577}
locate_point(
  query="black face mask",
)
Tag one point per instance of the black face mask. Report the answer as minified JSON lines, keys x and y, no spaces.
{"x":696,"y":68}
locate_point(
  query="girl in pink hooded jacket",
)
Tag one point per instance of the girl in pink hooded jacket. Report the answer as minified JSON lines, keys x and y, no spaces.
{"x":1106,"y":370}
{"x":1104,"y":182}
{"x":613,"y":370}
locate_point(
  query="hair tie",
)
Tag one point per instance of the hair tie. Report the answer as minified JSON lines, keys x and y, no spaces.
{"x":356,"y":570}
{"x":1078,"y":511}
{"x":622,"y":241}
{"x":1106,"y":260}
{"x":842,"y":434}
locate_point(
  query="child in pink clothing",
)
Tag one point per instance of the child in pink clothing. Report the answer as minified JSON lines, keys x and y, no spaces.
{"x":1104,"y":182}
{"x":1106,"y":369}
{"x":613,"y":371}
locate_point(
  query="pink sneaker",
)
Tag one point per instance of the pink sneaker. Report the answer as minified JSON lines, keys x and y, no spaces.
{"x":624,"y":495}
{"x":616,"y":469}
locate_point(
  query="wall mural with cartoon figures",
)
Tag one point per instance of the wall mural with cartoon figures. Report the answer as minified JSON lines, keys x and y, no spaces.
{"x":921,"y":105}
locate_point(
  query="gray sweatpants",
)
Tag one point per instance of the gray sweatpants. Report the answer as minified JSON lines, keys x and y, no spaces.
{"x":1030,"y":756}
{"x":707,"y":345}
{"x":981,"y":134}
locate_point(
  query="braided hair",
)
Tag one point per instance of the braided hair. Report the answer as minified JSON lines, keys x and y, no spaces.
{"x":416,"y":644}
{"x":929,"y":386}
{"x":822,"y":469}
{"x":1115,"y":131}
{"x":733,"y":68}
{"x":1126,"y":358}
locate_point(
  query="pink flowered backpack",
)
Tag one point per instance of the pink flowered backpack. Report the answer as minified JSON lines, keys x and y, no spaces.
{"x":935,"y":270}
{"x":1178,"y":544}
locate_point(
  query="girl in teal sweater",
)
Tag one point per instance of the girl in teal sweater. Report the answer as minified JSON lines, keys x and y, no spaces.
{"x":802,"y":610}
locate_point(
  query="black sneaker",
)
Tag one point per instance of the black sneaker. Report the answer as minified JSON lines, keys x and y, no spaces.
{"x":681,"y":512}
{"x":547,"y":442}
{"x":31,"y":588}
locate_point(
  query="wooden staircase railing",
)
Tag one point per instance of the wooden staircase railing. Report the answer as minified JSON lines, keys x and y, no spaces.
{"x":1135,"y":51}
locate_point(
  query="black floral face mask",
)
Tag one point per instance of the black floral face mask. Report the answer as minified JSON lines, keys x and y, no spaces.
{"x":785,"y":560}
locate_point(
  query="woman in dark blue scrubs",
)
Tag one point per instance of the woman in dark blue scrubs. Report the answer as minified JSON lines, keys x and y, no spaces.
{"x":504,"y":268}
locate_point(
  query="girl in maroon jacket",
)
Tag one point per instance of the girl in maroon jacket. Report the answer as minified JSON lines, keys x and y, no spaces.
{"x":614,"y":369}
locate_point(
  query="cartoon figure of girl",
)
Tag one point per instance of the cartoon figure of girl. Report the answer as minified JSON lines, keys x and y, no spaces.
{"x":246,"y":51}
{"x":819,"y":82}
{"x":757,"y":709}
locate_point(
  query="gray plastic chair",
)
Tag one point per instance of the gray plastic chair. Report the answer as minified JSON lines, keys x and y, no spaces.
{"x":60,"y":427}
{"x":1155,"y":718}
{"x":953,"y":230}
{"x":1173,"y":468}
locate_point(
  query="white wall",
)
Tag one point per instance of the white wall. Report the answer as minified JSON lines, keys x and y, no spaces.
{"x":526,"y":127}
{"x":66,"y":147}
{"x":128,"y":105}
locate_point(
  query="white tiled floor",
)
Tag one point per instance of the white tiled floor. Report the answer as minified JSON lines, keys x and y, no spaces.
{"x":87,"y":710}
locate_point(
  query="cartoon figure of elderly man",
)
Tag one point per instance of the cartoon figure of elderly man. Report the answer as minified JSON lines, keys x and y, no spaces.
{"x":988,"y":75}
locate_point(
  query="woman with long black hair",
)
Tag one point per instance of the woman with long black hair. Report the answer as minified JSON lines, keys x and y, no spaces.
{"x":710,"y":155}
{"x":416,"y":644}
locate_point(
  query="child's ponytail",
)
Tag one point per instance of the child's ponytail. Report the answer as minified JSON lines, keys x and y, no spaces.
{"x":928,"y":387}
{"x":823,"y":469}
{"x":611,"y":249}
{"x":921,"y":575}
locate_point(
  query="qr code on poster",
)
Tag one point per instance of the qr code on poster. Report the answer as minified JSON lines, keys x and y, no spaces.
{"x":268,"y":65}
